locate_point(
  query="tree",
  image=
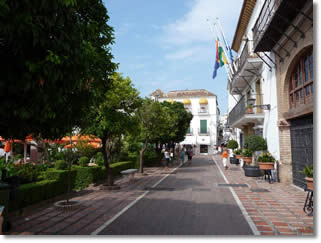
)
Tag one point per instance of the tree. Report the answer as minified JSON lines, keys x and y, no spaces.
{"x":232,"y":144}
{"x":255,"y":143}
{"x":154,"y":123}
{"x":179,"y":122}
{"x":112,"y":116}
{"x":54,"y":52}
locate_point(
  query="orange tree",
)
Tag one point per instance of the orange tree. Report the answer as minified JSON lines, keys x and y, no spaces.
{"x":54,"y":53}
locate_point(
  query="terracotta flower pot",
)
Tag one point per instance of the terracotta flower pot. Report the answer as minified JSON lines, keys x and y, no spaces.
{"x":266,"y":165}
{"x":238,"y":156}
{"x":309,"y":182}
{"x":247,"y":160}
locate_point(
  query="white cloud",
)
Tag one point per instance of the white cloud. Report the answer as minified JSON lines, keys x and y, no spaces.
{"x":190,"y":53}
{"x":193,"y":26}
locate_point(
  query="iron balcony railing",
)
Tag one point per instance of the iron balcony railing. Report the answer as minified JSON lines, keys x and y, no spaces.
{"x":237,"y":112}
{"x":204,"y":132}
{"x":203,"y":111}
{"x":241,"y":108}
{"x":263,"y":21}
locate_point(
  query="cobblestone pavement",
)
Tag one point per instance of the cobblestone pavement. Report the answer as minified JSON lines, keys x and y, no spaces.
{"x":278,"y":211}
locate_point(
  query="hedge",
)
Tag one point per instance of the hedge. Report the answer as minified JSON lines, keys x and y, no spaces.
{"x":34,"y":192}
{"x":55,"y":183}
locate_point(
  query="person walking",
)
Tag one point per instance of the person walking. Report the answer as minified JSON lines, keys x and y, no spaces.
{"x":182,"y":157}
{"x":172,"y":157}
{"x":190,"y":156}
{"x":167,"y":158}
{"x":225,"y":157}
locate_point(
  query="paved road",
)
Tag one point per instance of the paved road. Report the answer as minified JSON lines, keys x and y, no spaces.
{"x":188,"y":202}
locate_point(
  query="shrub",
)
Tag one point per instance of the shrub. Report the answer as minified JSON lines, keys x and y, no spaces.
{"x":247,"y":153}
{"x":266,"y":157}
{"x":83,"y":161}
{"x":99,"y":159}
{"x":61,"y":165}
{"x":232,"y":144}
{"x":238,"y":151}
{"x":255,"y":143}
{"x":308,"y":171}
{"x":28,"y":173}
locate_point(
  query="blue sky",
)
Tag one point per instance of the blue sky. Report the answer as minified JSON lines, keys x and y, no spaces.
{"x":168,"y":44}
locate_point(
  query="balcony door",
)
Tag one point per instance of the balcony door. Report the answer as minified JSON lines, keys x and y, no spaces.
{"x":203,"y":126}
{"x":259,"y":98}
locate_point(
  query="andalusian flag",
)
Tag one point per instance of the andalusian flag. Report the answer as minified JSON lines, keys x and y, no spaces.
{"x":220,"y":58}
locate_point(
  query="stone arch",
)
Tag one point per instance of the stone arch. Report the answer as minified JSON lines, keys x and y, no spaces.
{"x":292,"y":65}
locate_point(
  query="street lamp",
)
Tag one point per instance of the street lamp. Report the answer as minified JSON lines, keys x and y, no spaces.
{"x":251,"y":102}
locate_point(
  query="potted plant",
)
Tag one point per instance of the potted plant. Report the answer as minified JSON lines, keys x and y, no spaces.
{"x":308,"y":172}
{"x":238,"y":153}
{"x":232,"y":144}
{"x":266,"y":161}
{"x":247,"y":156}
{"x":249,"y":109}
{"x":254,"y":143}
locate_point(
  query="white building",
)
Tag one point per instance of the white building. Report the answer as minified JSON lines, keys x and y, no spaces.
{"x":253,"y":82}
{"x":203,"y":132}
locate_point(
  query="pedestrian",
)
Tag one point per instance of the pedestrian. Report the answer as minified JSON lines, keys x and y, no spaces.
{"x":219,"y":149}
{"x":225,"y":157}
{"x":172,"y":156}
{"x":167,"y":157}
{"x":190,"y":156}
{"x":182,"y":157}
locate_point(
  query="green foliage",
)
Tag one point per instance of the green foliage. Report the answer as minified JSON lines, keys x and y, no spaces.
{"x":28,"y":173}
{"x":56,"y":52}
{"x":61,"y":165}
{"x":255,"y":143}
{"x":55,"y":183}
{"x":83,"y":161}
{"x":308,"y":171}
{"x":238,"y":151}
{"x":247,"y":153}
{"x":266,"y":157}
{"x":99,"y":159}
{"x":232,"y":144}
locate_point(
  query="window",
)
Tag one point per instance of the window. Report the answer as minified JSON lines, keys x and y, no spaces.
{"x":301,"y":82}
{"x":203,"y":126}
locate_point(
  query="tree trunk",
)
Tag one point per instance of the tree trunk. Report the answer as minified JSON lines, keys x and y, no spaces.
{"x":141,"y":158}
{"x":110,"y":181}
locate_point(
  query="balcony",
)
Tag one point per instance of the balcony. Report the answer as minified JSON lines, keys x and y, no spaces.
{"x":203,"y":111}
{"x":274,"y":19}
{"x":205,"y":132}
{"x":240,"y":115}
{"x":247,"y":66}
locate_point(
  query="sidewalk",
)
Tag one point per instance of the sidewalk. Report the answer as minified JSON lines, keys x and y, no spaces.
{"x":97,"y":207}
{"x":278,"y":211}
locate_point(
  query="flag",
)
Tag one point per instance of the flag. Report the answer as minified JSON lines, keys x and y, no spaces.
{"x":220,"y":58}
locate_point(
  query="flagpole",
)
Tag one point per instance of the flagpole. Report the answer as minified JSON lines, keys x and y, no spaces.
{"x":227,"y":45}
{"x":227,"y":72}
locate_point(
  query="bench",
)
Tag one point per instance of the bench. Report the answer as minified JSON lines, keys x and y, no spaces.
{"x":130,"y":173}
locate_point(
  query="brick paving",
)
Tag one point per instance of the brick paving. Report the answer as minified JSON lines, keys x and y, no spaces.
{"x":276,"y":212}
{"x":96,"y":207}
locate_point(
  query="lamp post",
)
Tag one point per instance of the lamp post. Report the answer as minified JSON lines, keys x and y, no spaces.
{"x":251,"y":102}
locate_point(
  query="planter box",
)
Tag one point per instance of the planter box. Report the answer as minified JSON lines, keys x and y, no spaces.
{"x":309,"y":182}
{"x":266,"y":165}
{"x":234,"y":161}
{"x":247,"y":160}
{"x":238,"y":156}
{"x":252,"y":171}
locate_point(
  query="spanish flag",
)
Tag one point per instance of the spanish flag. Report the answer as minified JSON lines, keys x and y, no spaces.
{"x":220,"y":58}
